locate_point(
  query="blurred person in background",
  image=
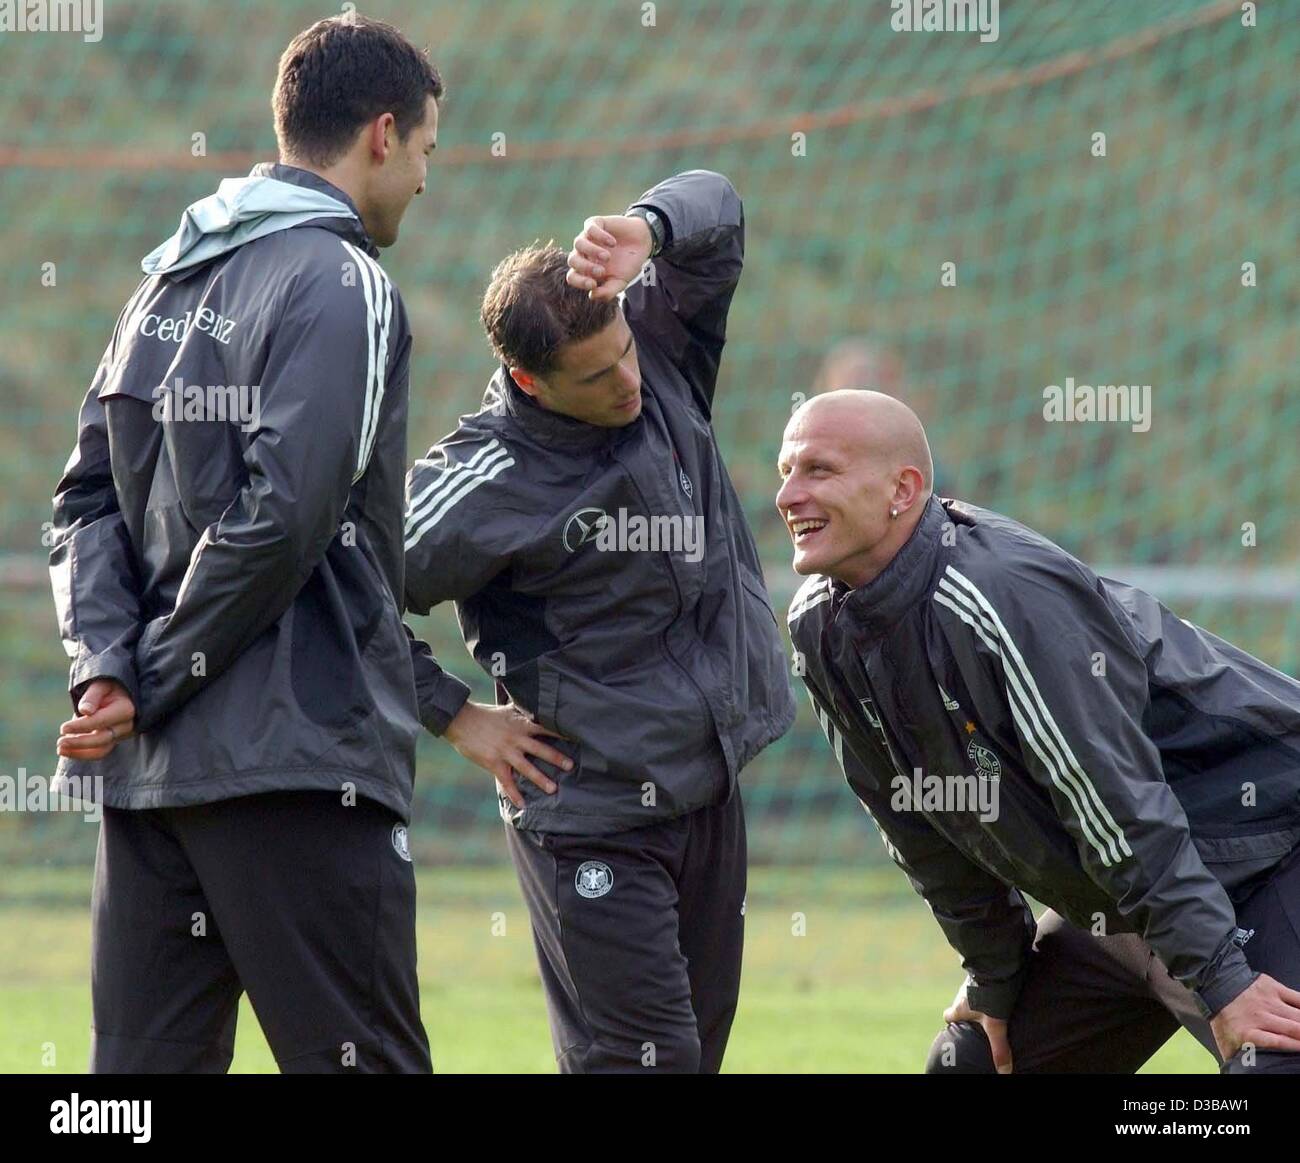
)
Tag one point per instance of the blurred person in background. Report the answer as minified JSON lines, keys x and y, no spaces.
{"x":860,"y":363}
{"x":865,"y":365}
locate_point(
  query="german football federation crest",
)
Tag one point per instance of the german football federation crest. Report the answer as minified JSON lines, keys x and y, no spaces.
{"x":687,"y":487}
{"x":595,"y":878}
{"x":987,"y":765}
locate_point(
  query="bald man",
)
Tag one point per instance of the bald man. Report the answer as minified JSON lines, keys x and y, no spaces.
{"x":1017,"y":725}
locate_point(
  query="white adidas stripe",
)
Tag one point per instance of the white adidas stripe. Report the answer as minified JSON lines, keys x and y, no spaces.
{"x":807,"y":596}
{"x":443,"y":483}
{"x":364,"y":274}
{"x":798,"y":612}
{"x":828,"y":728}
{"x":837,"y":745}
{"x":1033,"y":718}
{"x":1113,"y":829}
{"x":471,"y":482}
{"x":1027,"y":722}
{"x":1014,"y":693}
{"x":381,"y":370}
{"x":381,"y":282}
{"x":452,"y":485}
{"x":808,"y":587}
{"x":367,"y":287}
{"x":453,"y":479}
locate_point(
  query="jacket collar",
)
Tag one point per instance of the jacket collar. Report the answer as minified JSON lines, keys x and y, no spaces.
{"x":551,"y":429}
{"x":878,"y":606}
{"x":306,"y":179}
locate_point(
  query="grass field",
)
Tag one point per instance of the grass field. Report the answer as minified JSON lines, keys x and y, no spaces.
{"x":861,"y":990}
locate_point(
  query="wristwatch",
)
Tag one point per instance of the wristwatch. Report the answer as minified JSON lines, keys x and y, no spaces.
{"x":658,"y":227}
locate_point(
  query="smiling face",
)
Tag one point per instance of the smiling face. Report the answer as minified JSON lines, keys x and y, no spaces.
{"x":596,"y":380}
{"x":845,"y":463}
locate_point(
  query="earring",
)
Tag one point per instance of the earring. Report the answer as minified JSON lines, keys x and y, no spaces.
{"x":893,"y":514}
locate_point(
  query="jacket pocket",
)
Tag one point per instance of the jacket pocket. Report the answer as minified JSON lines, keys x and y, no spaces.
{"x":549,"y":714}
{"x":548,"y":695}
{"x":562,"y":778}
{"x":1257,"y":846}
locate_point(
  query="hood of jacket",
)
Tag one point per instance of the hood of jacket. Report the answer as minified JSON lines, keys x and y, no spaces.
{"x":272,"y":198}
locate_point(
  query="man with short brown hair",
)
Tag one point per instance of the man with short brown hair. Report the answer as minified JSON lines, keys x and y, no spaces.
{"x":606,"y":579}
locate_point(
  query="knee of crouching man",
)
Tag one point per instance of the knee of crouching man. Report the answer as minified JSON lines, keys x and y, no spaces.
{"x":960,"y":1048}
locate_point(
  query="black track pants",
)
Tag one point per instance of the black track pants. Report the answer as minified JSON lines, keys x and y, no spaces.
{"x":639,"y":937}
{"x":307,"y":904}
{"x":1107,"y":1004}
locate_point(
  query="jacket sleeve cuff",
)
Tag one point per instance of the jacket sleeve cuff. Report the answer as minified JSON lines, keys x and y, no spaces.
{"x":694,"y":205}
{"x":441,"y":699}
{"x":1231,"y":977}
{"x":114,"y":664}
{"x":664,"y":221}
{"x":996,"y":1000}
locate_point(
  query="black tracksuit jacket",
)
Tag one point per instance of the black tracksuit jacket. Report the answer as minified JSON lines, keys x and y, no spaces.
{"x":1148,"y":772}
{"x":241,"y":573}
{"x":663,"y":667}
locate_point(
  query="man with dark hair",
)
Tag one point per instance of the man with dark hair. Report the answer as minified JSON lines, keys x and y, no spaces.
{"x":605,"y":577}
{"x":1018,"y":726}
{"x":530,"y":313}
{"x":228,"y":587}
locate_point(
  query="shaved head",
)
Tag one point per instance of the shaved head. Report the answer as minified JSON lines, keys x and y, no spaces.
{"x":872,"y":425}
{"x":857,"y":473}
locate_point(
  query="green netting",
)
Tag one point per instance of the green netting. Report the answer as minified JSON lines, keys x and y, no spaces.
{"x":921,"y":150}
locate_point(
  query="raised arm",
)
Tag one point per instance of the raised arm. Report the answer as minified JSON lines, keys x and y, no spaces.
{"x":692,"y":228}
